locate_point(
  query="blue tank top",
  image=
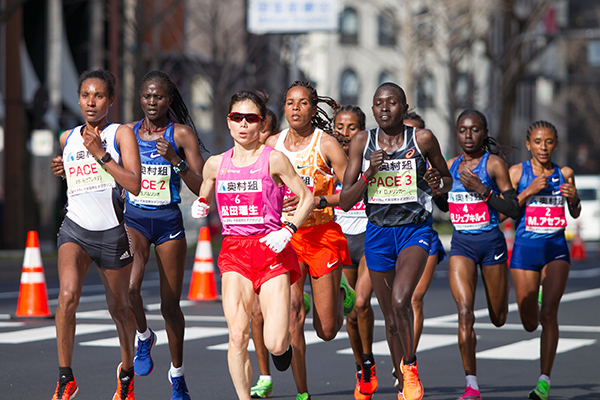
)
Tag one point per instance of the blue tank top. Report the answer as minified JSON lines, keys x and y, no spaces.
{"x":469,"y":212}
{"x":160,"y":184}
{"x":543,"y":215}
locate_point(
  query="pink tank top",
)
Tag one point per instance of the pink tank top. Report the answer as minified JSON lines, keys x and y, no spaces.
{"x":248,"y":199}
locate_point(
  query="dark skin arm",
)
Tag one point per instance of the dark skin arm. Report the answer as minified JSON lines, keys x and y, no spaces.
{"x":496,"y":170}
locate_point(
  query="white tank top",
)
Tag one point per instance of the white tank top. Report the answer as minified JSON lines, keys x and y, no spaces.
{"x":94,"y":199}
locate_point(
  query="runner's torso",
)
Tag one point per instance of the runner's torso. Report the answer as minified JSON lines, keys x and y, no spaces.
{"x":310,"y":164}
{"x":94,"y":199}
{"x":160,"y":184}
{"x":398,"y":194}
{"x":353,"y":221}
{"x":248,"y":199}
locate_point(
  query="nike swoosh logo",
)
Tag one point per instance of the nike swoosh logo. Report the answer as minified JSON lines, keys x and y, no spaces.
{"x":254,"y":170}
{"x":175,"y":235}
{"x":302,"y":166}
{"x":561,"y":256}
{"x":555,"y":192}
{"x":329,"y":265}
{"x":154,"y":155}
{"x":498,"y":256}
{"x":275,"y":266}
{"x":554,"y":179}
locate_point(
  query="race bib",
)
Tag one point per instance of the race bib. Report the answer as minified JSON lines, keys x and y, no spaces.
{"x":86,"y":175}
{"x":468,"y":211}
{"x":357,"y":211}
{"x":240,"y":202}
{"x":545,"y":214}
{"x":155,"y":186}
{"x":395,"y":182}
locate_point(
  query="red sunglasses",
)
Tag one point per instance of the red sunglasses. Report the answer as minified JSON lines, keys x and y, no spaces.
{"x":238,"y":117}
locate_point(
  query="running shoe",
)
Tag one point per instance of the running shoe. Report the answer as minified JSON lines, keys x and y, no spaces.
{"x":540,"y":391}
{"x":350,"y":297}
{"x":357,"y":394}
{"x":401,"y":396}
{"x":125,"y":387}
{"x":368,"y":377}
{"x":262,"y":389}
{"x":413,"y":388}
{"x":65,"y":390}
{"x":179,"y":388}
{"x":470,"y":394}
{"x":303,"y":396}
{"x":307,"y":303}
{"x":142,"y":361}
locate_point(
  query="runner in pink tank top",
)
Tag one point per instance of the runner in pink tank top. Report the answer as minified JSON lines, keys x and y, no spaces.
{"x":248,"y":181}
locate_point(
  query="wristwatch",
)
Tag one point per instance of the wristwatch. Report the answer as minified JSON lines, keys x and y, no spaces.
{"x":322,"y":203}
{"x":105,"y":158}
{"x":181,"y":166}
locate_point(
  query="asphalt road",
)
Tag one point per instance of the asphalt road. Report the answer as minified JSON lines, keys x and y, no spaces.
{"x":508,"y":358}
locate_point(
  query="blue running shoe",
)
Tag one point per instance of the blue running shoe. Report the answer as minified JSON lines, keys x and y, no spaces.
{"x":142,"y":361}
{"x":180,"y":390}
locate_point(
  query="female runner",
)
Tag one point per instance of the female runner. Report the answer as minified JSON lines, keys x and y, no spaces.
{"x":249,"y":183}
{"x":474,"y":205}
{"x":540,"y":253}
{"x":170,"y":153}
{"x":100,"y":161}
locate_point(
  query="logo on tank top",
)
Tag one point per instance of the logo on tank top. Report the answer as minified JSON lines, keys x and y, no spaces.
{"x":410,"y":153}
{"x":154,"y":155}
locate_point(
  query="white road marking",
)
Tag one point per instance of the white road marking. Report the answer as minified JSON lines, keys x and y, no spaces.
{"x":309,"y":336}
{"x":427,"y":342}
{"x":530,"y":349}
{"x":11,"y":324}
{"x":49,"y":332}
{"x":191,"y":333}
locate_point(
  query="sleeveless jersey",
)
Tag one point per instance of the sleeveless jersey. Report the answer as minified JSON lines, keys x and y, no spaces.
{"x":353,"y":221}
{"x":468,"y":212}
{"x":94,"y":199}
{"x":248,"y":199}
{"x":160,"y":184}
{"x":310,"y":164}
{"x":543,"y":216}
{"x":397,"y":194}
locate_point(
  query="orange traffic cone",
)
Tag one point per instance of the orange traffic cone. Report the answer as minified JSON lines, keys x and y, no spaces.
{"x":509,"y":235}
{"x":578,"y":247}
{"x":203,"y":286}
{"x":33,"y":297}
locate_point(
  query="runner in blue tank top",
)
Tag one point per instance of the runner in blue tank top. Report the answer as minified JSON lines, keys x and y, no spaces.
{"x":388,"y":167}
{"x":170,"y":152}
{"x":474,"y":203}
{"x":540,"y":253}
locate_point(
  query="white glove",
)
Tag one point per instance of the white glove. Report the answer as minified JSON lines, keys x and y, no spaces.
{"x":277,"y":240}
{"x":200,"y":208}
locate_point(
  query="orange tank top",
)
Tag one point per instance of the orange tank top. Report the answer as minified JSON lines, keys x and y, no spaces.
{"x":310,"y":164}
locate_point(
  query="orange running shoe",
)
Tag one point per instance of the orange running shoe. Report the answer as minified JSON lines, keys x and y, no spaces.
{"x":401,"y":396}
{"x":125,"y":387}
{"x":368,"y":377}
{"x":65,"y":390}
{"x":357,"y":394}
{"x":413,"y":388}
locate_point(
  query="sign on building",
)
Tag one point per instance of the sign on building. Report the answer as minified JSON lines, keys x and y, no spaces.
{"x":292,"y":16}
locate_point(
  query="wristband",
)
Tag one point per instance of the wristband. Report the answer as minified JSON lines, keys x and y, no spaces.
{"x":441,"y":185}
{"x":202,"y":200}
{"x":105,"y":158}
{"x":486,"y":195}
{"x":291,"y":226}
{"x":364,"y":178}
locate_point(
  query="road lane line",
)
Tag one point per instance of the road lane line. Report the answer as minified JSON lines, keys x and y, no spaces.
{"x":191,"y":333}
{"x":530,"y":349}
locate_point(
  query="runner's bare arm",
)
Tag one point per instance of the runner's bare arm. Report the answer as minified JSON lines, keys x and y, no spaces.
{"x":353,"y":186}
{"x":539,"y":183}
{"x":283,"y":171}
{"x":130,"y":174}
{"x":209,"y":175}
{"x":337,"y":159}
{"x":569,"y":191}
{"x":57,"y":165}
{"x":430,"y":147}
{"x":187,"y":141}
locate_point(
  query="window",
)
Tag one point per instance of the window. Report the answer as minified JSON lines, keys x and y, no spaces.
{"x":426,"y":91}
{"x":387,"y":30}
{"x":386,"y":76}
{"x":464,"y":90}
{"x":349,"y":87}
{"x":593,"y":53}
{"x":349,"y":26}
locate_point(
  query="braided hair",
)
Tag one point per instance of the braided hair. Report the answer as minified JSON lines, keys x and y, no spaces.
{"x":542,"y":124}
{"x":178,"y":111}
{"x":105,"y":76}
{"x":360,"y":115}
{"x":321,"y":120}
{"x":489,"y":144}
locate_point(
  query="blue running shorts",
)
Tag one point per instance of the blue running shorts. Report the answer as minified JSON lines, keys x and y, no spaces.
{"x":486,"y":248}
{"x":534,"y":254}
{"x":158,"y":226}
{"x":384,"y":244}
{"x":437,"y":249}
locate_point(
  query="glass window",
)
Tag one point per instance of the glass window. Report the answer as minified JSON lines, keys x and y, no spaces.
{"x":387,"y":28}
{"x":426,"y":91}
{"x":349,"y":26}
{"x":349,"y":87}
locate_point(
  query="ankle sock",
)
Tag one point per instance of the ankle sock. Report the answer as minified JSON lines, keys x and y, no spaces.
{"x":544,"y":378}
{"x":368,"y":357}
{"x":175,"y":372}
{"x":472,"y":382}
{"x":265,"y":378}
{"x":65,"y":374}
{"x":126,"y":373}
{"x":144,"y":335}
{"x":410,"y":362}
